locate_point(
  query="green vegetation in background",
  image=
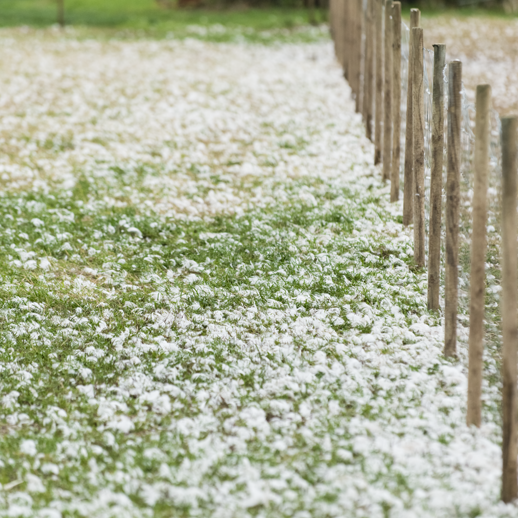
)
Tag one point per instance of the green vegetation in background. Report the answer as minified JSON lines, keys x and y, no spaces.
{"x":144,"y":14}
{"x":462,"y":8}
{"x":153,"y":18}
{"x":461,"y":12}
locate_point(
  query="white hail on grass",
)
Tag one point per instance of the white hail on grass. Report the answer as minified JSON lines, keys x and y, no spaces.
{"x":306,"y":404}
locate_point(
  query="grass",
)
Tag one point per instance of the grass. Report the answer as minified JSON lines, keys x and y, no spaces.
{"x":149,"y":17}
{"x":214,"y":263}
{"x":158,"y":361}
{"x":149,"y":14}
{"x":464,"y":12}
{"x":143,"y":344}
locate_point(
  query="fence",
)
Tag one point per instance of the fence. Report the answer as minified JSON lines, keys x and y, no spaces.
{"x":416,"y":114}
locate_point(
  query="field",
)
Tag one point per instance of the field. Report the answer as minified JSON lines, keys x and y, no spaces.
{"x":209,"y":307}
{"x":147,"y":17}
{"x":488,"y":49}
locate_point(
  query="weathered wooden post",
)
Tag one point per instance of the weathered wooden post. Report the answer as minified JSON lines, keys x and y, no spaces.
{"x":354,"y":52}
{"x":408,"y":194}
{"x":350,"y":34}
{"x":509,"y":325}
{"x":434,"y":242}
{"x":369,"y":69}
{"x":358,"y":53}
{"x":345,"y":34}
{"x":378,"y":4}
{"x":387,"y":94}
{"x":396,"y":101}
{"x":478,"y":255}
{"x":452,"y":207}
{"x":418,"y":145}
{"x":336,"y":21}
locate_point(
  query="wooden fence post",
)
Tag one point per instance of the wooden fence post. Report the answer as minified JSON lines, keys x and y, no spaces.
{"x":452,"y":207}
{"x":379,"y":79}
{"x":396,"y":100}
{"x":408,"y":194}
{"x":387,"y":94}
{"x":358,"y":53}
{"x":336,"y":22}
{"x":346,"y":36}
{"x":509,"y":326}
{"x":418,"y":145}
{"x":350,"y":50}
{"x":356,"y":50}
{"x":368,"y":72}
{"x":478,"y":255}
{"x":434,"y":252}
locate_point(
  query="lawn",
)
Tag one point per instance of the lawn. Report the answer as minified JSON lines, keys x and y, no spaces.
{"x":146,"y":16}
{"x":208,"y":305}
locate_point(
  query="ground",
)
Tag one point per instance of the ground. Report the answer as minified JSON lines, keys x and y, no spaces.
{"x":488,"y":49}
{"x":209,"y":306}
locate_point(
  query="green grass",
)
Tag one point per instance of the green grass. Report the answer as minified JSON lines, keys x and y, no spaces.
{"x":228,"y":253}
{"x":144,"y":14}
{"x":297,"y":306}
{"x":468,"y":11}
{"x":150,"y":15}
{"x":149,"y":18}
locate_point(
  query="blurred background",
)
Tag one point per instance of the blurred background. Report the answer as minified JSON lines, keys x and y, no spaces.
{"x":162,"y":13}
{"x":483,"y":34}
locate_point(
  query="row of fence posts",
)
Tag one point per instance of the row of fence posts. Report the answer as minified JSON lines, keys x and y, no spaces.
{"x":373,"y":71}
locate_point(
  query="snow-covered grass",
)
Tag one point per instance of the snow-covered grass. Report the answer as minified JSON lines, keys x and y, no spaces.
{"x":487,"y":47}
{"x":209,"y":307}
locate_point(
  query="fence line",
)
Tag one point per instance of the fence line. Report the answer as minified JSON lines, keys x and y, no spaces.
{"x":387,"y":92}
{"x":408,"y":193}
{"x":396,"y":104}
{"x":418,"y":149}
{"x":436,"y":166}
{"x":478,"y":255}
{"x":451,"y":278}
{"x":406,"y":87}
{"x":509,"y":306}
{"x":378,"y":13}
